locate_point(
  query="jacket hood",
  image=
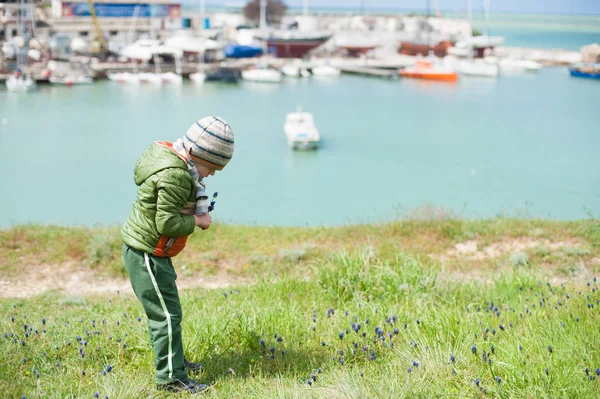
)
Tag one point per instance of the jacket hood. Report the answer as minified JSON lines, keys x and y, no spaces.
{"x":157,"y":157}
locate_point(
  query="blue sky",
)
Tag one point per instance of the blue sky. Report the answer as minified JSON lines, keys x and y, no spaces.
{"x":520,"y":6}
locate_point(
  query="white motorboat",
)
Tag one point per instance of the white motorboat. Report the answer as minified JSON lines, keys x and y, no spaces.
{"x":325,"y":71}
{"x":198,"y":77}
{"x":290,"y":70}
{"x":300,"y":131}
{"x":471,"y":67}
{"x":514,"y":65}
{"x":150,"y":78}
{"x":170,"y":78}
{"x":70,"y":80}
{"x":20,"y":84}
{"x":262,"y":75}
{"x":124,"y":77}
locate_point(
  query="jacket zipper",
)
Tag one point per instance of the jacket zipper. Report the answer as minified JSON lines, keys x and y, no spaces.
{"x":169,"y":244}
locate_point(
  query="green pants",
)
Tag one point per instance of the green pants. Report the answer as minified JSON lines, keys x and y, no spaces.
{"x":153,"y":281}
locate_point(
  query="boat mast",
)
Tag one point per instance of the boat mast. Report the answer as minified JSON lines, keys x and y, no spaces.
{"x":263,"y":14}
{"x":202,"y":13}
{"x":305,"y":8}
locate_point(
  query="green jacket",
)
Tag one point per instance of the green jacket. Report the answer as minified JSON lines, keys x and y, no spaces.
{"x":161,"y":218}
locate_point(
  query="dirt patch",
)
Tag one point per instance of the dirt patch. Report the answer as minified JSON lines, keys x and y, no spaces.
{"x":72,"y":280}
{"x":470,"y":249}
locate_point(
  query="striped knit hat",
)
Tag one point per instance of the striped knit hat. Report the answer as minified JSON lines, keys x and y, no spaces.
{"x":210,"y":141}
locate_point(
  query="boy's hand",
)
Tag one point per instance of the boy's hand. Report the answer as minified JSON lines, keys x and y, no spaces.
{"x":203,"y":221}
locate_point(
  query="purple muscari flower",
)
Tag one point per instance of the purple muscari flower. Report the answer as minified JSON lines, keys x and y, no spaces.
{"x":341,"y":335}
{"x":103,"y":372}
{"x":22,"y":343}
{"x":409,"y":369}
{"x":452,"y":359}
{"x":314,"y":328}
{"x":262,"y":342}
{"x":323,"y":343}
{"x":550,"y":349}
{"x":492,"y":348}
{"x":319,"y":370}
{"x":82,"y":372}
{"x":57,"y":364}
{"x":96,"y":395}
{"x":546,"y":370}
{"x":477,"y":381}
{"x":520,"y":347}
{"x":313,"y":376}
{"x":500,"y":326}
{"x":474,"y":349}
{"x":598,"y":372}
{"x":416,"y":364}
{"x":309,"y":382}
{"x":272,"y":349}
{"x":330,"y":312}
{"x":341,"y":352}
{"x":396,"y":331}
{"x":361,"y":374}
{"x":12,"y":319}
{"x":498,"y":379}
{"x":24,"y":360}
{"x":279,"y":339}
{"x":108,"y":368}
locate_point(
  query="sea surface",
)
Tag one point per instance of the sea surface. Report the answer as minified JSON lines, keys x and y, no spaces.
{"x":522,"y":145}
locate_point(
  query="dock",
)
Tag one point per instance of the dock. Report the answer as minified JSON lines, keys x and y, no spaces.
{"x":371,"y":72}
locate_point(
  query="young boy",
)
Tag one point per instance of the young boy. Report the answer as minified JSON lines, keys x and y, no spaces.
{"x":171,"y":201}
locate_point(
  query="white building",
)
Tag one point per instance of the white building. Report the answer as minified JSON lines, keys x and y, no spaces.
{"x":120,"y":21}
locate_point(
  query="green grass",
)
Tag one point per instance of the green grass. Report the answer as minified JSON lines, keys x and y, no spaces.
{"x":435,"y":318}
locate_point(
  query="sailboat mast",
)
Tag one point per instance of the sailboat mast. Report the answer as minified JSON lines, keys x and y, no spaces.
{"x":263,"y":14}
{"x":202,"y":13}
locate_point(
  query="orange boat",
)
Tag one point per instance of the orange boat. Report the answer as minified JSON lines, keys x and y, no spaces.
{"x":423,"y":69}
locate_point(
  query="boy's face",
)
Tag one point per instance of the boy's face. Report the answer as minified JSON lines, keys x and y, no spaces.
{"x":204,"y":170}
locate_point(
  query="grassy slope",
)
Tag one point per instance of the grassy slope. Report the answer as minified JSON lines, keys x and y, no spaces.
{"x":386,"y":271}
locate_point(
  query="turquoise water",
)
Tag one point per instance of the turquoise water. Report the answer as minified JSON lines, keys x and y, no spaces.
{"x":521,"y":145}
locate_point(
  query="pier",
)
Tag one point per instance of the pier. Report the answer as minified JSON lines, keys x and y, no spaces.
{"x":371,"y":72}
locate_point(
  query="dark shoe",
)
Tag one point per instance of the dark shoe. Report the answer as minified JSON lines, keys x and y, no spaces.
{"x":193,"y":367}
{"x":183,"y":386}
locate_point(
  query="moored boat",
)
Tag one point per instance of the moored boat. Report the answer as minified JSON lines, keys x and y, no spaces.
{"x":424,"y":69}
{"x":300,"y":131}
{"x":589,"y":71}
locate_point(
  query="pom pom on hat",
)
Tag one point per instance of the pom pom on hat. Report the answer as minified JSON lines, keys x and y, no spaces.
{"x":210,"y":141}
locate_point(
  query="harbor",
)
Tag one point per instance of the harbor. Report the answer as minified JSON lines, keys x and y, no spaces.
{"x":77,"y":42}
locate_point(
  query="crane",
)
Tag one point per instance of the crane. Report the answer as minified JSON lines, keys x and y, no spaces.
{"x":102,"y":48}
